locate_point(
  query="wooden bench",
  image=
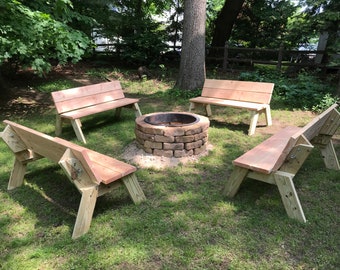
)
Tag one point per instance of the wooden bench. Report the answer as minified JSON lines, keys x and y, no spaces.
{"x":92,"y":173}
{"x":278,"y":159}
{"x":253,"y":96}
{"x":75,"y":103}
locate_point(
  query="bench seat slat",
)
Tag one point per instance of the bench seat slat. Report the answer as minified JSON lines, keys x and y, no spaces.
{"x":109,"y":169}
{"x":229,"y":103}
{"x":102,"y":107}
{"x":269,"y":155}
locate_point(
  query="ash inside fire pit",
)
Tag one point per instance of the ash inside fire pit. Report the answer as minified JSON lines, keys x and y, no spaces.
{"x":171,"y":119}
{"x":169,"y":134}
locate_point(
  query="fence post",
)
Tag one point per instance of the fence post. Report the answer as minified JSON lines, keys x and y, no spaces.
{"x":225,"y":57}
{"x":279,"y":58}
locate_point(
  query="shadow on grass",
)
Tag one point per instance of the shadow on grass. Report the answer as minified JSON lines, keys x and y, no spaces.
{"x":54,"y":200}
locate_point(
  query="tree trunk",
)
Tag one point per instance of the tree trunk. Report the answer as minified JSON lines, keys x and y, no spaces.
{"x":225,"y":21}
{"x":338,"y":91}
{"x":192,"y":65}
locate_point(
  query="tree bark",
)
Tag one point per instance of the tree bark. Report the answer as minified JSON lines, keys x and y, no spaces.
{"x":192,"y":65}
{"x":225,"y":21}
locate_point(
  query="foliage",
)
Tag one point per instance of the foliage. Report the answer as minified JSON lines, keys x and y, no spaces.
{"x":175,"y":24}
{"x":305,"y":92}
{"x":139,"y":39}
{"x":316,"y":17}
{"x":325,"y":102}
{"x":262,"y":24}
{"x":213,"y":9}
{"x":33,"y":39}
{"x":51,"y":86}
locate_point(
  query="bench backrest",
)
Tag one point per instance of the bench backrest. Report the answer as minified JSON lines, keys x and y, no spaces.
{"x":257,"y":92}
{"x":326,"y":123}
{"x":84,"y":96}
{"x":47,"y":146}
{"x":274,"y":152}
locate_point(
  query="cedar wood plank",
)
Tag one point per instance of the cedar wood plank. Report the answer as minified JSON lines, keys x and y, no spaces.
{"x":74,"y":98}
{"x":258,"y":92}
{"x":230,"y":103}
{"x":99,"y":108}
{"x":105,"y":168}
{"x":269,"y":155}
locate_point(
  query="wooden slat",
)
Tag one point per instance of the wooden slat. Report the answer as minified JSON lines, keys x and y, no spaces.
{"x":38,"y":142}
{"x":270,"y":154}
{"x":109,"y":169}
{"x":87,"y":90}
{"x":99,"y":108}
{"x":259,"y":92}
{"x":326,"y":123}
{"x":230,"y":103}
{"x":75,"y":98}
{"x":104,"y":168}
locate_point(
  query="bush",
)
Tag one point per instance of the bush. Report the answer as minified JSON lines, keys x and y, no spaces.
{"x":305,"y":92}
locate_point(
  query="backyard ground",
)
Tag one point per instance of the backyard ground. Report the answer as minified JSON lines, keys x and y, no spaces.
{"x":186,"y":222}
{"x":22,"y":99}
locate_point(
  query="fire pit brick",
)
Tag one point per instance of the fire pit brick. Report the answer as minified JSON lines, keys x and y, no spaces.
{"x":172,"y":138}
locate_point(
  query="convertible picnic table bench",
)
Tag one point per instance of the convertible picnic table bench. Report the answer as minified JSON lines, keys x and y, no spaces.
{"x":278,"y":159}
{"x":75,"y":103}
{"x":253,"y":96}
{"x":92,"y":173}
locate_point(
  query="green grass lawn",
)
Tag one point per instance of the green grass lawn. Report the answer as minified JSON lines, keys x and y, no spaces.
{"x":185,"y":223}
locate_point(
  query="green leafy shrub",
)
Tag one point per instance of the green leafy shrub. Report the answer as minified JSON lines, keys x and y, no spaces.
{"x":307,"y":91}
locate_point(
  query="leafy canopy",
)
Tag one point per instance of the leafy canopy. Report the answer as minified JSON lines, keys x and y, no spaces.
{"x":32,"y":38}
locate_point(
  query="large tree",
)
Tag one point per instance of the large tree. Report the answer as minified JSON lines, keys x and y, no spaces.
{"x":192,"y":65}
{"x":225,"y":21}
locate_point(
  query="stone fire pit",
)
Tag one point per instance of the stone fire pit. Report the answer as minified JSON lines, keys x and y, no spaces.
{"x":172,"y":134}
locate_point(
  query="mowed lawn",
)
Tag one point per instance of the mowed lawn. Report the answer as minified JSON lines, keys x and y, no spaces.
{"x":186,"y":222}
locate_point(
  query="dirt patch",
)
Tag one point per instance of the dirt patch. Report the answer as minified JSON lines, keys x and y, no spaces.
{"x":133,"y":154}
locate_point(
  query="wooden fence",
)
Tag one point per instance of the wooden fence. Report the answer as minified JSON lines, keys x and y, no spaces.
{"x":230,"y":57}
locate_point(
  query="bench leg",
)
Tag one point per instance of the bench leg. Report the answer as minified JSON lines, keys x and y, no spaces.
{"x":254,"y":116}
{"x":58,"y":125}
{"x":137,"y":110}
{"x":208,"y":109}
{"x":192,"y":106}
{"x":17,"y":175}
{"x":85,"y":211}
{"x":290,"y":199}
{"x":117,"y":112}
{"x":235,"y":180}
{"x":329,"y":156}
{"x":268,"y":116}
{"x":76,"y":124}
{"x":134,"y":189}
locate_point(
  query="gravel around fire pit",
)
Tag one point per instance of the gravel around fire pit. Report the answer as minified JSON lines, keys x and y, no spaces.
{"x":137,"y":156}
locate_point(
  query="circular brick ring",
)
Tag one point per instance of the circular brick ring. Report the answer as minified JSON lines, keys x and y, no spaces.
{"x":165,"y":134}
